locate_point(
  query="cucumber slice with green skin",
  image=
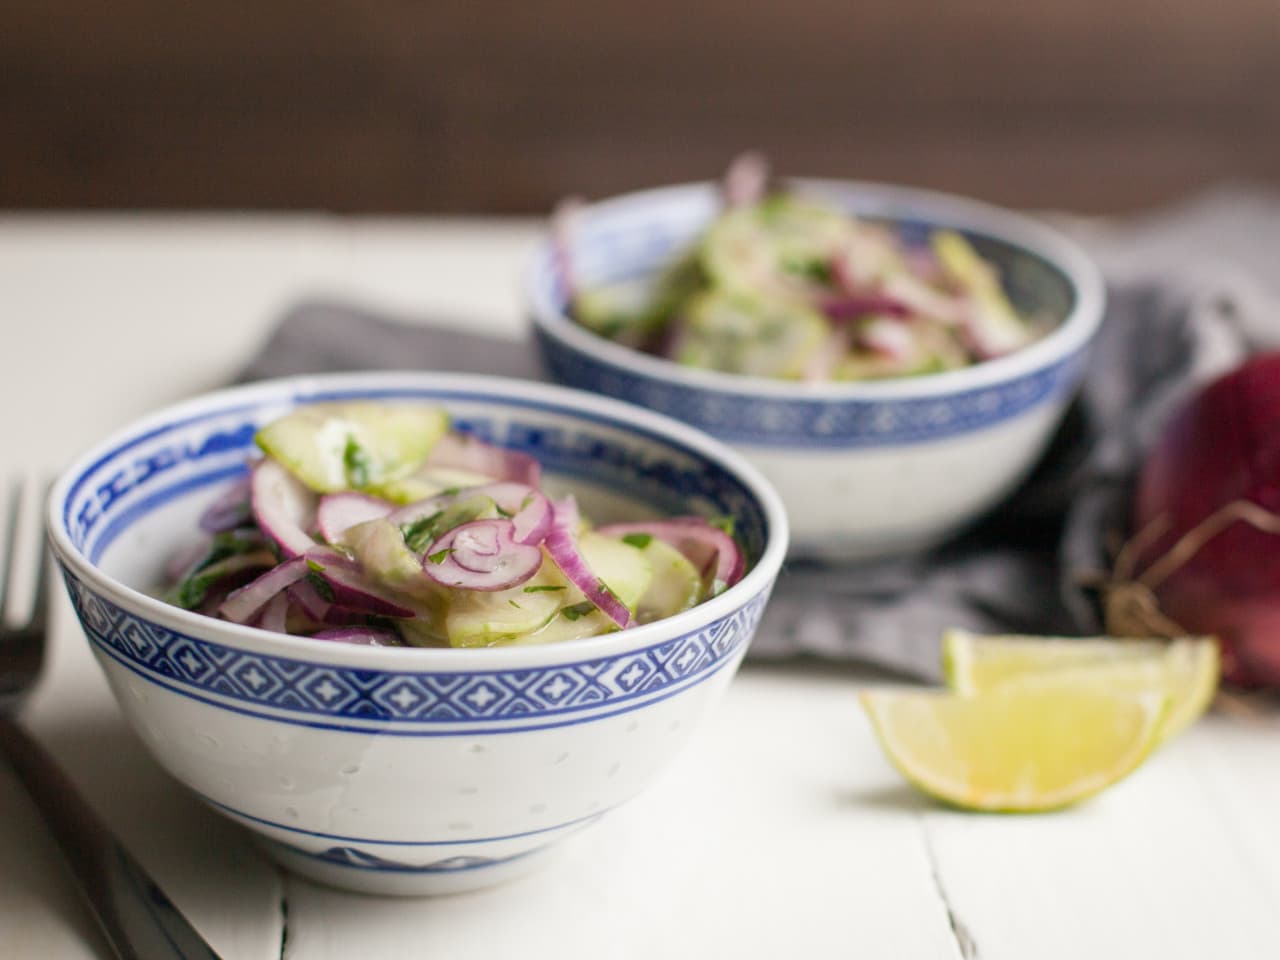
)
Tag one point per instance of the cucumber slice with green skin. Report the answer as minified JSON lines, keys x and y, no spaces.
{"x":428,"y":482}
{"x":782,"y":246}
{"x":749,"y":335}
{"x":484,"y":619}
{"x":674,"y":587}
{"x":993,"y":326}
{"x":632,"y":311}
{"x":548,"y":608}
{"x":353,"y":446}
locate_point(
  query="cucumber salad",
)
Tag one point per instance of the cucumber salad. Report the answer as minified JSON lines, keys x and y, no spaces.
{"x":374,"y":523}
{"x":787,"y":286}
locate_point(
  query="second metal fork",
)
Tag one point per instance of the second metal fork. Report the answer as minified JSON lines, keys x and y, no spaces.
{"x":139,"y":921}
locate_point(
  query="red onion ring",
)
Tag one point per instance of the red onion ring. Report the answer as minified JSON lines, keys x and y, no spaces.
{"x":283,"y":507}
{"x":341,"y":511}
{"x":482,"y":555}
{"x":240,"y":606}
{"x":562,"y":545}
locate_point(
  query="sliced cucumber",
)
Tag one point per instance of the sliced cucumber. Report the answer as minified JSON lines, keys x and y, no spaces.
{"x":782,"y":245}
{"x":631,"y":311}
{"x":740,"y":334}
{"x":427,"y":482}
{"x":353,"y":446}
{"x":379,"y":546}
{"x":548,"y":608}
{"x":674,"y":587}
{"x":994,"y":326}
{"x":477,"y":618}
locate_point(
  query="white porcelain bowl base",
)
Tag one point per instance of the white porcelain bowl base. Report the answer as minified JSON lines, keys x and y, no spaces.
{"x":877,"y":502}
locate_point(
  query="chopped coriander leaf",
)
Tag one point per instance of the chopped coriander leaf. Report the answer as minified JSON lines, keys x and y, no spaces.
{"x":321,"y":585}
{"x":420,"y":534}
{"x":514,"y":604}
{"x":638,"y":540}
{"x":315,"y":566}
{"x":502,"y":513}
{"x":450,"y":492}
{"x":356,"y":462}
{"x":723,"y":523}
{"x":543,"y":588}
{"x":440,"y":555}
{"x":578,"y":610}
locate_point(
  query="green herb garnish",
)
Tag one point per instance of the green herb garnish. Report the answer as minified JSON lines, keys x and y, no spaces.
{"x":578,"y":610}
{"x":439,"y":556}
{"x":321,"y":585}
{"x":638,"y":540}
{"x":357,"y":463}
{"x":420,"y":534}
{"x":542,"y":588}
{"x":723,"y":523}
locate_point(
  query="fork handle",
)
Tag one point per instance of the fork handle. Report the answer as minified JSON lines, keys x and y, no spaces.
{"x":139,"y":921}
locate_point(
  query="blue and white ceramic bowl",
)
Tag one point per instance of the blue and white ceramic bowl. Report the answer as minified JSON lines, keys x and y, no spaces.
{"x":405,"y":770}
{"x":864,"y":469}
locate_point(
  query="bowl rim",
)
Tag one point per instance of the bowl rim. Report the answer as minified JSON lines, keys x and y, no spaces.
{"x":975,"y":216}
{"x":616,"y":413}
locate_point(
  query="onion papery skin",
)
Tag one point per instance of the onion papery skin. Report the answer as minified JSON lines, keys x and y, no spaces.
{"x":1221,"y":447}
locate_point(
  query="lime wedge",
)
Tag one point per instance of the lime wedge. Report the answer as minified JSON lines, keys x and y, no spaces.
{"x":1028,"y":747}
{"x":353,"y":446}
{"x":1186,"y":669}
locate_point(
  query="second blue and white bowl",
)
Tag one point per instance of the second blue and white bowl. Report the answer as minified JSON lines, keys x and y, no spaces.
{"x":864,"y":469}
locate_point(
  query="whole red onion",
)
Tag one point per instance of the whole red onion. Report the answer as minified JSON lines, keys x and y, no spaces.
{"x":1206,"y":521}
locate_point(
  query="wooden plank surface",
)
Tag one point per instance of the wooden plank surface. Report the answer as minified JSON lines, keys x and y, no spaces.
{"x":383,"y":105}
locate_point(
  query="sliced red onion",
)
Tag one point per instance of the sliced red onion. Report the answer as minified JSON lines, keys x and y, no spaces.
{"x":283,"y":507}
{"x":464,"y":452}
{"x":482,"y":555}
{"x":887,"y":338}
{"x":745,"y":180}
{"x":350,"y":586}
{"x":230,"y":510}
{"x":341,"y":511}
{"x":363,"y":636}
{"x":562,"y":544}
{"x":850,"y":305}
{"x":529,"y":508}
{"x":275,"y":615}
{"x":309,"y":601}
{"x":242,"y":605}
{"x":715,"y":553}
{"x":564,"y":224}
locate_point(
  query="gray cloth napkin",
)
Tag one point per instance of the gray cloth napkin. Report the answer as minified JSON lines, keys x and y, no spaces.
{"x":1172,"y":324}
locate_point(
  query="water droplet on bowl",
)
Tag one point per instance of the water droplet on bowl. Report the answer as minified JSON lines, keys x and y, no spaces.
{"x":291,"y":813}
{"x":350,"y":770}
{"x":538,"y":808}
{"x":613,"y":770}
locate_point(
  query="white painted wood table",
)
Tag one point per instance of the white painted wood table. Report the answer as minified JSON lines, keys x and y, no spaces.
{"x":780,"y":832}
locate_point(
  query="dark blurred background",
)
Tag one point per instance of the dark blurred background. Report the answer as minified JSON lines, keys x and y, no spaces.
{"x":488,"y":107}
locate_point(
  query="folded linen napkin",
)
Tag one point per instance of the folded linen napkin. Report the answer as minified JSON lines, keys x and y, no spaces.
{"x":1168,"y":329}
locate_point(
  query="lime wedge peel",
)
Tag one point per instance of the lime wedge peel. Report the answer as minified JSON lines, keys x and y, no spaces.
{"x":1033,"y":747}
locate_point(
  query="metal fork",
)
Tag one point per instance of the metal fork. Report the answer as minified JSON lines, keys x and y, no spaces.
{"x":139,"y":921}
